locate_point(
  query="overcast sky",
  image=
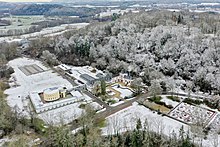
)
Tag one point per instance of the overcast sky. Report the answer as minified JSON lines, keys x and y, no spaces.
{"x":25,"y":0}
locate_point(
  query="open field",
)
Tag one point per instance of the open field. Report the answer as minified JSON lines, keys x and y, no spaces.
{"x":31,"y":69}
{"x":21,"y":22}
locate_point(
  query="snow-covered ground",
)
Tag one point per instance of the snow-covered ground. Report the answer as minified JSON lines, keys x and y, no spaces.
{"x":125,"y":92}
{"x":192,"y":114}
{"x":4,"y":140}
{"x":24,"y":85}
{"x":168,"y":101}
{"x":215,"y":124}
{"x":96,"y":106}
{"x":126,"y":119}
{"x":118,"y":103}
{"x":77,"y":72}
{"x":101,"y":110}
{"x":62,"y":115}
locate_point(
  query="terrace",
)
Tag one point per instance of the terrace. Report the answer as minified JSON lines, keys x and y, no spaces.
{"x":122,"y":91}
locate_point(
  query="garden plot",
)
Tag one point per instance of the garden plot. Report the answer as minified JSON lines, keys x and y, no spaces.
{"x":18,"y":95}
{"x":21,"y":22}
{"x":191,"y":114}
{"x":124,"y":91}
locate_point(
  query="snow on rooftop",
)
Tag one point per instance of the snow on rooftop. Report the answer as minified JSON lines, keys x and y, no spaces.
{"x":41,"y":107}
{"x":51,"y":90}
{"x":64,"y":67}
{"x":77,"y":72}
{"x":17,"y":96}
{"x":76,"y":94}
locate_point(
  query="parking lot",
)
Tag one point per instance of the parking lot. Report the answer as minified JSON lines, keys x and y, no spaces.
{"x":31,"y":69}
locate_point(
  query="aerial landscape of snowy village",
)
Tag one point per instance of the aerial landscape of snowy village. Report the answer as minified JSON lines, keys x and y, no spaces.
{"x":57,"y":94}
{"x":110,"y":73}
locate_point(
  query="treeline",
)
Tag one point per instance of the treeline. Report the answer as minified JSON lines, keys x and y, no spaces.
{"x":90,"y":134}
{"x":54,"y":10}
{"x":8,"y":51}
{"x":139,"y":137}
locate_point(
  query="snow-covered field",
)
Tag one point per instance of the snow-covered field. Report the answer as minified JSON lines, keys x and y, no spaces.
{"x":125,"y":92}
{"x":117,"y":11}
{"x":192,"y":114}
{"x":62,"y":115}
{"x":215,"y":124}
{"x":52,"y":31}
{"x":117,"y":103}
{"x":126,"y":119}
{"x":24,"y":85}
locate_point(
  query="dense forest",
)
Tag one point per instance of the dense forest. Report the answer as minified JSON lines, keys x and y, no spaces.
{"x":159,"y":45}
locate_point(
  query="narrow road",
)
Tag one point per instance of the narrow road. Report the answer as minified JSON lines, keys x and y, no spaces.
{"x":112,"y":110}
{"x":120,"y":107}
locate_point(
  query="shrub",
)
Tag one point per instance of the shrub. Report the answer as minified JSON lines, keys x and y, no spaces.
{"x":82,"y":106}
{"x":111,"y":101}
{"x":191,"y":101}
{"x":155,"y":99}
{"x":174,"y":98}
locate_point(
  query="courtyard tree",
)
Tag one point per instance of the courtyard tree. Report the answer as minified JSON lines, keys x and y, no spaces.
{"x":103,"y":87}
{"x":96,"y":88}
{"x":155,"y":88}
{"x":137,"y":85}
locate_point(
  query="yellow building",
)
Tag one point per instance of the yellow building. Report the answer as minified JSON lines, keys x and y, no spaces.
{"x":53,"y":94}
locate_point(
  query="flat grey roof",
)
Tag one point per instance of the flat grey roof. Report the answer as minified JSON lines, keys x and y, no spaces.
{"x":87,"y":77}
{"x":99,"y":75}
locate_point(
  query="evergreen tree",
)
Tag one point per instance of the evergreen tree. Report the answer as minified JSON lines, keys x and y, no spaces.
{"x":139,"y":125}
{"x":103,"y":87}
